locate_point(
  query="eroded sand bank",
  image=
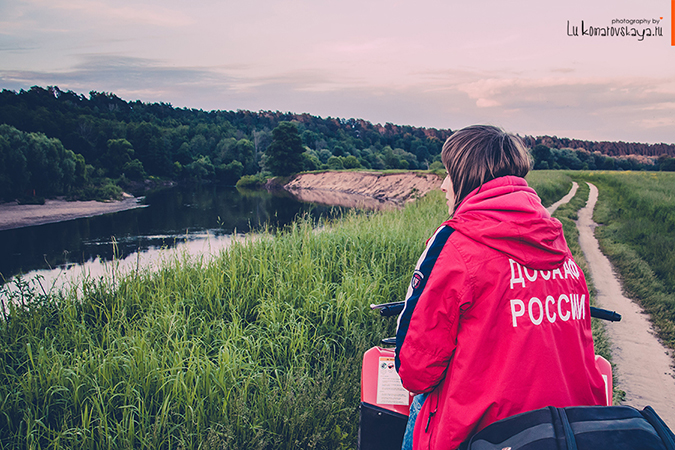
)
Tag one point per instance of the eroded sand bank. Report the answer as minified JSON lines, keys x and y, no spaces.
{"x":362,"y":189}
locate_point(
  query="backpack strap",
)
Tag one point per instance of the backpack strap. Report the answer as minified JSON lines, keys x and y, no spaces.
{"x":660,"y":426}
{"x":570,"y":441}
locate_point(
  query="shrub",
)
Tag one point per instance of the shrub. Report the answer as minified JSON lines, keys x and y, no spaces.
{"x":251,"y":181}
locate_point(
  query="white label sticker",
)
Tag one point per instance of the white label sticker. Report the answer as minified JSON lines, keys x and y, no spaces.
{"x":390,"y":391}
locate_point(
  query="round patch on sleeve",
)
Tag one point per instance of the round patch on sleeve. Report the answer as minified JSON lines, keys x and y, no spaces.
{"x":416,"y":279}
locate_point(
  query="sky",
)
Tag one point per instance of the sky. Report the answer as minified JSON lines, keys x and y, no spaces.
{"x":427,"y":63}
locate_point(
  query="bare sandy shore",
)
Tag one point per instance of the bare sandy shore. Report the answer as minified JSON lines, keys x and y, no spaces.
{"x":362,"y":189}
{"x":643,"y":365}
{"x":13,"y":215}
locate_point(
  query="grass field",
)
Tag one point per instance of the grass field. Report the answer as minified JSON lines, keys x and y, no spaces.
{"x":637,"y":214}
{"x":258,"y":348}
{"x":551,"y":185}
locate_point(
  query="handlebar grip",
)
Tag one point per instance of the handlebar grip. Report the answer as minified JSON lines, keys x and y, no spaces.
{"x":389,"y":309}
{"x":605,"y":314}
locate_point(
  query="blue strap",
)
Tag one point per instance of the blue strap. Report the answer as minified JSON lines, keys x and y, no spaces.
{"x":520,"y":440}
{"x":569,"y":433}
{"x":660,"y":427}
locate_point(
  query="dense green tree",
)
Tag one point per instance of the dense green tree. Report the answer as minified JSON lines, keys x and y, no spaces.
{"x":246,"y":155}
{"x":339,"y":150}
{"x":183,"y":155}
{"x":119,"y":152}
{"x":81,"y":177}
{"x":543,"y":158}
{"x":32,"y":164}
{"x":199,"y":145}
{"x":229,"y":173}
{"x":390,"y":160}
{"x":14,"y":174}
{"x":177,"y":170}
{"x":283,"y":156}
{"x":567,"y":159}
{"x":335,"y":163}
{"x":200,"y":170}
{"x":133,"y":170}
{"x":310,"y":161}
{"x":311,"y":139}
{"x":148,"y":142}
{"x":666,"y":163}
{"x":350,"y":162}
{"x":242,"y":150}
{"x":398,"y":158}
{"x":323,"y":155}
{"x":409,"y":158}
{"x":436,"y":165}
{"x":421,"y":151}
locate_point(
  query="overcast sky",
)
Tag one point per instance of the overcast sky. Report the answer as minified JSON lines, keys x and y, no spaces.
{"x":429,"y":63}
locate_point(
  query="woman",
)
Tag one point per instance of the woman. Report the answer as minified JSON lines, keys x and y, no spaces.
{"x":497,"y":318}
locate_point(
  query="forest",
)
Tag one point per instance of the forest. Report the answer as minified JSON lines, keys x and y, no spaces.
{"x":60,"y":143}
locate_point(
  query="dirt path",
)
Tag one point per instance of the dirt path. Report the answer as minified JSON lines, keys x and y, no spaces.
{"x":643,"y":365}
{"x":570,"y":195}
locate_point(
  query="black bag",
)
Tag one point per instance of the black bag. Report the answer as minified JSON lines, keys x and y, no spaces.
{"x":577,"y":428}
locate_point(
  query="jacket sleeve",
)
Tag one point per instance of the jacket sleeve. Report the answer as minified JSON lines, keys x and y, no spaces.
{"x":427,"y":329}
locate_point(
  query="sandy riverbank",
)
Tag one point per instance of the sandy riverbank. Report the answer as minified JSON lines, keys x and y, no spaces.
{"x":13,"y":215}
{"x":370,"y":190}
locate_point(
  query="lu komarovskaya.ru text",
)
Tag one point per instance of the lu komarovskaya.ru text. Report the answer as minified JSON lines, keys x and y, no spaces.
{"x":627,"y":30}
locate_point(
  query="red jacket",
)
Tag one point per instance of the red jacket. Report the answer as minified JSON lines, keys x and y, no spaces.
{"x":497,"y":318}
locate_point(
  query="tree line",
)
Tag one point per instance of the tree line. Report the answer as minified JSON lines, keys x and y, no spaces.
{"x":124,"y":142}
{"x":606,"y":148}
{"x":546,"y":158}
{"x":56,"y":142}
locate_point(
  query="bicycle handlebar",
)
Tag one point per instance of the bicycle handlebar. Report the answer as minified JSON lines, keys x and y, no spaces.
{"x":395,"y":308}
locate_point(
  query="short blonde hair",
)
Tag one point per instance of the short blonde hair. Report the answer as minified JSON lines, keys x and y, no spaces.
{"x":477,"y":154}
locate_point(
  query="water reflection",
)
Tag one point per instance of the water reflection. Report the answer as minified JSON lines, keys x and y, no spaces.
{"x":173,"y":216}
{"x":70,"y":276}
{"x":345,"y":199}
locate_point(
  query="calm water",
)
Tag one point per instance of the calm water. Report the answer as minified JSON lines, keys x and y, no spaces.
{"x":200,"y":219}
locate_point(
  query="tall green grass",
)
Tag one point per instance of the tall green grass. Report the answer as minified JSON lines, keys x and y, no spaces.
{"x":551,"y":185}
{"x":637,"y":214}
{"x":259,"y":347}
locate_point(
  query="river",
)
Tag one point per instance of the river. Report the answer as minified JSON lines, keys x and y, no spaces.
{"x":197,"y":220}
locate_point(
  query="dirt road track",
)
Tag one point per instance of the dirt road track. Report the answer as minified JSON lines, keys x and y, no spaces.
{"x":570,"y":195}
{"x":643,"y":365}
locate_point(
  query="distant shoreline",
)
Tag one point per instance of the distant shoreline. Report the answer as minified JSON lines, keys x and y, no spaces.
{"x":13,"y":215}
{"x":351,"y":189}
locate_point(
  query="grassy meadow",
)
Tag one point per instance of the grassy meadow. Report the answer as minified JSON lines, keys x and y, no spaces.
{"x":636,"y":211}
{"x":259,"y":347}
{"x":551,"y":185}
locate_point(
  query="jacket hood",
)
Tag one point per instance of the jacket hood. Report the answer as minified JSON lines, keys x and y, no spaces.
{"x":507,"y":215}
